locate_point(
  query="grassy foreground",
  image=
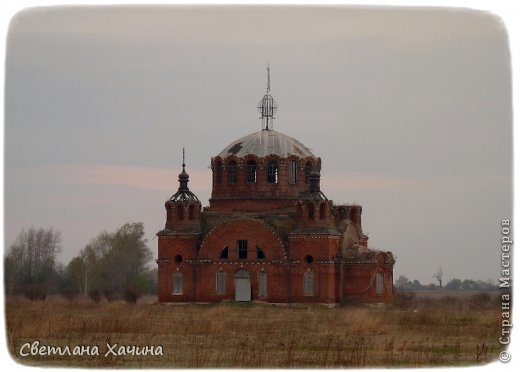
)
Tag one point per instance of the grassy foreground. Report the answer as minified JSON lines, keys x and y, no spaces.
{"x":430,"y":333}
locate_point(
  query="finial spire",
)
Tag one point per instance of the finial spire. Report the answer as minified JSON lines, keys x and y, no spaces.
{"x":267,"y":106}
{"x":183,"y":176}
{"x":183,"y":193}
{"x":268,"y":79}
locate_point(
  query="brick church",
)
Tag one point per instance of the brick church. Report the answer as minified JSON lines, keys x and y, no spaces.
{"x":270,"y":233}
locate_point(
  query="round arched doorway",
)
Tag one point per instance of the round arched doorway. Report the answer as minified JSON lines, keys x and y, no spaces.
{"x":242,"y":285}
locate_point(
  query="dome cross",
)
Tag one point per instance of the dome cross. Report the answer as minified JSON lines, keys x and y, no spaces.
{"x":267,"y":106}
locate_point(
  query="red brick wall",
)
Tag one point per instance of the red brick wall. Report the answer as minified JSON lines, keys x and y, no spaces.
{"x":321,"y":248}
{"x":176,"y":210}
{"x":352,"y":213}
{"x":254,"y":232}
{"x":285,"y":283}
{"x":250,"y":205}
{"x":285,"y":266}
{"x":207,"y":283}
{"x":169,"y":247}
{"x":315,"y":213}
{"x":261,"y":188}
{"x":360,"y":282}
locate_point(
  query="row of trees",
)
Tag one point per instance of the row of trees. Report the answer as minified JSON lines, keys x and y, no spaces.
{"x":31,"y":260}
{"x":112,"y":264}
{"x":403,"y":283}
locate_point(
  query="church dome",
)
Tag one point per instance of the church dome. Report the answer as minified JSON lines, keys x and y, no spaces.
{"x":265,"y":165}
{"x":264,"y":143}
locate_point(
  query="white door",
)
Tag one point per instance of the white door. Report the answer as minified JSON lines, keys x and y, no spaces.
{"x":242,"y":285}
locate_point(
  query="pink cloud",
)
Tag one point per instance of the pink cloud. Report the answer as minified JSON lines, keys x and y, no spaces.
{"x":367,"y":183}
{"x":139,"y":177}
{"x":389,"y":183}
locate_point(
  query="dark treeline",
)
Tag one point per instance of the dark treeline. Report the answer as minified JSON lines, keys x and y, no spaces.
{"x":112,"y":265}
{"x":403,"y":283}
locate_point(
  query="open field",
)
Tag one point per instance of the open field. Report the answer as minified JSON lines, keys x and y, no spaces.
{"x":444,"y":331}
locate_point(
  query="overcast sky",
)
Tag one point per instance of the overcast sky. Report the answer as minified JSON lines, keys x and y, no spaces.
{"x":410,"y":111}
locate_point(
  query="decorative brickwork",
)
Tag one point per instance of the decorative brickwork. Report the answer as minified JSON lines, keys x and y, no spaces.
{"x":269,"y":234}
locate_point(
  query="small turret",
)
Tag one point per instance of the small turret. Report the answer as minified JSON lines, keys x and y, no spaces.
{"x":313,"y":209}
{"x":313,"y":192}
{"x":183,"y":208}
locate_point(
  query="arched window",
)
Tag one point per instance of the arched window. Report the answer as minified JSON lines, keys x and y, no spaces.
{"x":260,"y":255}
{"x":178,"y":259}
{"x":224,"y":255}
{"x":380,"y":283}
{"x":221,"y":282}
{"x":180,"y":212}
{"x":322,"y":211}
{"x":177,"y":283}
{"x":293,"y":172}
{"x":310,"y":210}
{"x":191,"y":210}
{"x":262,"y":284}
{"x":308,"y":283}
{"x":219,"y":172}
{"x":251,"y":171}
{"x":308,"y":169}
{"x":232,"y":172}
{"x":272,"y":172}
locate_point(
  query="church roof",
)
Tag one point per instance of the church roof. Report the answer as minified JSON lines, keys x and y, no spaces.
{"x":184,"y":194}
{"x":266,"y":142}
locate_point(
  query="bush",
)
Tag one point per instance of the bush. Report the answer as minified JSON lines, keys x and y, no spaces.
{"x":69,"y":293}
{"x":451,"y":303}
{"x":404,"y":299}
{"x":109,"y":295}
{"x":35,"y":292}
{"x":479,"y":301}
{"x":95,"y":295}
{"x":132,"y":294}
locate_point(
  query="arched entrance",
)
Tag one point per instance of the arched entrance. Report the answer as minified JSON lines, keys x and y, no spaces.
{"x":242,"y":285}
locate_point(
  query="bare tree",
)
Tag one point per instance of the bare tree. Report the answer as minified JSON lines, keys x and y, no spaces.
{"x":31,"y":258}
{"x":438,"y":276}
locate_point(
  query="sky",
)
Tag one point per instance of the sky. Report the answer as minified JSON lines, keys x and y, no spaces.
{"x":409,"y":110}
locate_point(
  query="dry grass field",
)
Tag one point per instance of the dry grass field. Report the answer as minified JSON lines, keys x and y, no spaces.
{"x":420,"y":331}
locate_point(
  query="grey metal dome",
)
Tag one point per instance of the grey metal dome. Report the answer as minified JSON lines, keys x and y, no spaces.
{"x":264,"y":143}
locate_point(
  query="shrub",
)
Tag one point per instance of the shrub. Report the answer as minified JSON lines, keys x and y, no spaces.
{"x":479,"y":301}
{"x":95,"y":295}
{"x":109,"y":294}
{"x":424,"y":302}
{"x":450,"y":303}
{"x":69,"y":293}
{"x":35,"y":292}
{"x":404,"y":299}
{"x":132,"y":294}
